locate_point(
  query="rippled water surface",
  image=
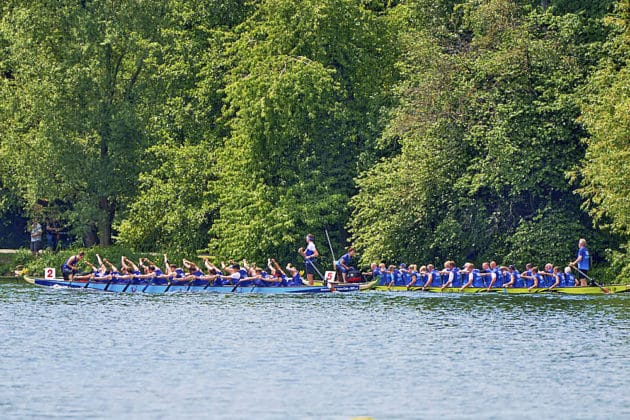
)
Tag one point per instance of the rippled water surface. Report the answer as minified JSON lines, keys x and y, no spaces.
{"x":83,"y":354}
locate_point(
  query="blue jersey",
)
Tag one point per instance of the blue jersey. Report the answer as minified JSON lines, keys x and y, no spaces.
{"x":296,"y":280}
{"x":556,"y":277}
{"x":386,"y":277}
{"x":457,"y":278}
{"x":136,"y":280}
{"x":527,"y":282}
{"x":477,"y":279}
{"x":265,"y":280}
{"x":309,"y":252}
{"x":446,"y":275}
{"x":406,"y":276}
{"x":499,"y":276}
{"x":548,"y":279}
{"x":569,"y":280}
{"x":585,"y":263}
{"x":399,"y":278}
{"x":411,"y":275}
{"x":435,"y":278}
{"x":158,"y":279}
{"x":242,"y":274}
{"x":198,"y":281}
{"x":345,"y":259}
{"x":518,"y":280}
{"x":70,"y":261}
{"x":421,"y":278}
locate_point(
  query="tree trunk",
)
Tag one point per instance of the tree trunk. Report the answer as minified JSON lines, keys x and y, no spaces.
{"x":105,"y":221}
{"x":90,"y":237}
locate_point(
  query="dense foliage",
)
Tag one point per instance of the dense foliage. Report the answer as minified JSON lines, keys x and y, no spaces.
{"x":417,"y":130}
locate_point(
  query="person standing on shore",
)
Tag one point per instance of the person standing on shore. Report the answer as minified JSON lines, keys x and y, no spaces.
{"x":309,"y":254}
{"x":36,"y":237}
{"x":582,"y":262}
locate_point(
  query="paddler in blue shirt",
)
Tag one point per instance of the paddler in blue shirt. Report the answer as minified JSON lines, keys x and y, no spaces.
{"x":454,"y":278}
{"x":96,"y":271}
{"x":487,"y":271}
{"x":70,"y":267}
{"x":474,"y":279}
{"x":130,"y":266}
{"x":173,"y":272}
{"x":527,"y":275}
{"x":278,"y":276}
{"x":414,"y":277}
{"x":497,"y":273}
{"x":400,"y":279}
{"x":546,"y":276}
{"x":557,"y":278}
{"x":345,"y":263}
{"x":195,"y":276}
{"x":535,"y":278}
{"x":396,"y":275}
{"x":446,"y":271}
{"x":373,"y":273}
{"x":234,"y":275}
{"x":569,"y":278}
{"x":433,"y":277}
{"x":514,"y":278}
{"x":214,"y":273}
{"x":155,"y":274}
{"x":294,"y":276}
{"x":382,"y":275}
{"x":116,"y":275}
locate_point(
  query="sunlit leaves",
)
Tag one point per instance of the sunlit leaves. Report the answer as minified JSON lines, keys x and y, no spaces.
{"x":606,"y":112}
{"x":487,"y":131}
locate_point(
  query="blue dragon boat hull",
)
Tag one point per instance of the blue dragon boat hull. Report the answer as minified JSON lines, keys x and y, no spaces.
{"x":144,"y":287}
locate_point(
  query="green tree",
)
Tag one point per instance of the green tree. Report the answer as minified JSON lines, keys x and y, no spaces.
{"x":303,"y":98}
{"x":176,"y":203}
{"x":486,"y":126}
{"x":78,"y":100}
{"x":605,"y":173}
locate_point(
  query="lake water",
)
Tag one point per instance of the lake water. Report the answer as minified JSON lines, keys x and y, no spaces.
{"x":82,"y":354}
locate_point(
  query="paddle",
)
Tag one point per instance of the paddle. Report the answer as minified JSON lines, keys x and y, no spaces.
{"x":331,"y":250}
{"x":418,"y":289}
{"x":238,"y":283}
{"x":605,"y":290}
{"x":334,"y":262}
{"x":315,"y":267}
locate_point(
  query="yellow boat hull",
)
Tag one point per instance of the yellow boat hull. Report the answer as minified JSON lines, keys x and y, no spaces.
{"x":589,"y":290}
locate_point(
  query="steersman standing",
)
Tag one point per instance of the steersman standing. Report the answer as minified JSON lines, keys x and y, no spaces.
{"x":582,"y":262}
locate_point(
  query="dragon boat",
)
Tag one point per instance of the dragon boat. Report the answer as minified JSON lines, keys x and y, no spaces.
{"x":158,"y":287}
{"x":574,"y":290}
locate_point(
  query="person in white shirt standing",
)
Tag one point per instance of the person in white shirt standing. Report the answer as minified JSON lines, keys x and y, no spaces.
{"x":36,"y":237}
{"x":309,"y":254}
